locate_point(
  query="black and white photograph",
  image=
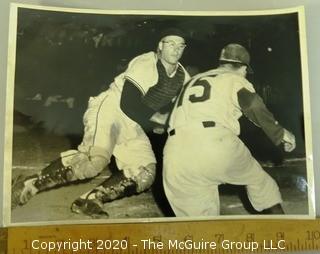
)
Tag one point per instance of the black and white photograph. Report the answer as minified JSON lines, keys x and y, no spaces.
{"x":128,"y":116}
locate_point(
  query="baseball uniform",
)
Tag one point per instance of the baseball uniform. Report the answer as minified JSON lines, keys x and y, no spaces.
{"x":109,"y":131}
{"x":203,"y":149}
{"x":115,"y":124}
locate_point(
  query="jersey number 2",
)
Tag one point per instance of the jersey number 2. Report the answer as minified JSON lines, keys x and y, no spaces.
{"x":194,"y":98}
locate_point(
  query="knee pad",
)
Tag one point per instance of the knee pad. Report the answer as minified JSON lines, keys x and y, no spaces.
{"x":146,"y":177}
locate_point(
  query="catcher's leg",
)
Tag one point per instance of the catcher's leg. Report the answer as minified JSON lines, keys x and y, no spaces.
{"x":90,"y":159}
{"x":25,"y":187}
{"x":115,"y":187}
{"x":56,"y":174}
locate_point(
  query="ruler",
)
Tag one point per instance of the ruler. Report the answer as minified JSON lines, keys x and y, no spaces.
{"x":232,"y":236}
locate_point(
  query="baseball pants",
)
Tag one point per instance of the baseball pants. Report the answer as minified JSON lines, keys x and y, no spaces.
{"x":198,"y":159}
{"x":107,"y":131}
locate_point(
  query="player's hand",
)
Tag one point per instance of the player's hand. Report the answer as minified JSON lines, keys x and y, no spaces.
{"x":159,"y":129}
{"x":159,"y":118}
{"x":289,"y":141}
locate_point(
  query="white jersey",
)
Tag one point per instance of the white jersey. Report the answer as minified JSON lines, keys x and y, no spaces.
{"x":211,"y":96}
{"x":191,"y":185}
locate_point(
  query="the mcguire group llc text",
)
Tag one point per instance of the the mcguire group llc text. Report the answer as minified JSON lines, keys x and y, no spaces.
{"x":211,"y":245}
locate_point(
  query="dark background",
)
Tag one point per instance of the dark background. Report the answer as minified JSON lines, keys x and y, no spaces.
{"x":78,"y":55}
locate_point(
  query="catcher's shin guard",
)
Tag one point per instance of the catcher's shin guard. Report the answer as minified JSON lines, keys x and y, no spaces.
{"x":55,"y":174}
{"x":115,"y":187}
{"x":25,"y":187}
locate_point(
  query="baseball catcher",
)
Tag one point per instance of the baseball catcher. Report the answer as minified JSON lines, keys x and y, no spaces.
{"x":116,"y":123}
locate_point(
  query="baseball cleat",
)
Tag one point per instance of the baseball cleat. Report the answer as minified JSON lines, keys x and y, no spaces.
{"x":89,"y":207}
{"x":22,"y":190}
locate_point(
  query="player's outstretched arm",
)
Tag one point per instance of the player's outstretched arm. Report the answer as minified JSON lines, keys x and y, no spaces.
{"x":254,"y":108}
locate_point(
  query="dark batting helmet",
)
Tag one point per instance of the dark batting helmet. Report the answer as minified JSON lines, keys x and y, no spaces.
{"x":235,"y":53}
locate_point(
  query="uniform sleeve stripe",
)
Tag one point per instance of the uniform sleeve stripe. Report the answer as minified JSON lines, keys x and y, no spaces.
{"x":136,"y":84}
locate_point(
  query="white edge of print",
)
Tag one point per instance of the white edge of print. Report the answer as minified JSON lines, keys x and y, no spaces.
{"x":10,"y":100}
{"x":11,"y":63}
{"x":162,"y":12}
{"x":307,"y":111}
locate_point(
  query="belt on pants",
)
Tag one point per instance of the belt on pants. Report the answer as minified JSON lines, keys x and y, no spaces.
{"x":205,"y":124}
